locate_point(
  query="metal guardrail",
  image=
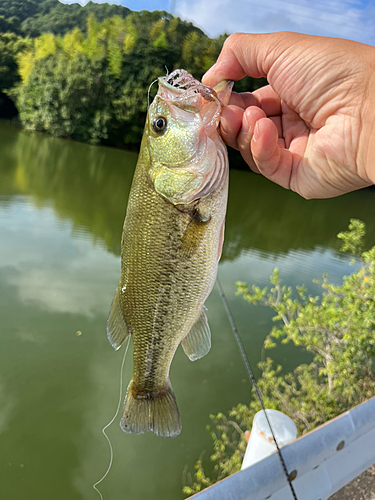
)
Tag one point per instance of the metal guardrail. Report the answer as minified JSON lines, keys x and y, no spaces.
{"x":322,"y":462}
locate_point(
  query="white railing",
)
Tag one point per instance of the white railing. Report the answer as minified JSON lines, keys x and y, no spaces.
{"x":322,"y":462}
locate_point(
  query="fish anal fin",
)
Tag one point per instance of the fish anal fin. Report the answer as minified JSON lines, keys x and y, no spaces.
{"x":156,"y":412}
{"x":197,"y":343}
{"x":117,"y":330}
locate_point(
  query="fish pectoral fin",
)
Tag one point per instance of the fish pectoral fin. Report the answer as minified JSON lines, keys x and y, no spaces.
{"x":197,"y":342}
{"x":194,"y":234}
{"x":117,"y":330}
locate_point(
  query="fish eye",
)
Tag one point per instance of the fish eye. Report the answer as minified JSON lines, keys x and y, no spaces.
{"x":159,"y":124}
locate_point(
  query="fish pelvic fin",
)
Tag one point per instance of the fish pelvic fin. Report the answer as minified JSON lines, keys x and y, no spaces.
{"x":156,"y":411}
{"x":117,"y":330}
{"x":197,"y":342}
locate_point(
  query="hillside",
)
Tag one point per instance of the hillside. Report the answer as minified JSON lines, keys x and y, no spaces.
{"x":34,"y":17}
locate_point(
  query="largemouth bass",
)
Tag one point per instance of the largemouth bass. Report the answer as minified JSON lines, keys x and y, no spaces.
{"x":171,"y":243}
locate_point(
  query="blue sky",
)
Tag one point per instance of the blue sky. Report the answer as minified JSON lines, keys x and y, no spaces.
{"x":353,"y":19}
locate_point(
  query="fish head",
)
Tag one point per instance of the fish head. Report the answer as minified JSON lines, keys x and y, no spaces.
{"x":182,"y":136}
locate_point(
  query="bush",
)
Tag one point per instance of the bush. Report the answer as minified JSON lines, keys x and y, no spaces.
{"x":336,"y":327}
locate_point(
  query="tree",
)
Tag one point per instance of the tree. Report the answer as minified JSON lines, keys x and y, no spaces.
{"x":9,"y":25}
{"x":126,"y":52}
{"x":34,"y":17}
{"x":337,"y":328}
{"x":10,"y":45}
{"x":119,"y":58}
{"x":58,"y":98}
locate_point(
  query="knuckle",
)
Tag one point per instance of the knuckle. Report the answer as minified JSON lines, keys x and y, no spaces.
{"x":232,"y":41}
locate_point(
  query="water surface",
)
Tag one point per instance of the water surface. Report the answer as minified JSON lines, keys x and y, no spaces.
{"x":62,"y":206}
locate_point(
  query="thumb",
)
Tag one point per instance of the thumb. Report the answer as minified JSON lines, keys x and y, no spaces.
{"x":252,"y":55}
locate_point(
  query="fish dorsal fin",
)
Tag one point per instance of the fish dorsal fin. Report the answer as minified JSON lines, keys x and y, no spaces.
{"x":197,"y":342}
{"x":117,"y":331}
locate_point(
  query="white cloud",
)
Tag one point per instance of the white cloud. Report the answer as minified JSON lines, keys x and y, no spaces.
{"x":81,"y":2}
{"x":53,"y":268}
{"x":84,"y":2}
{"x":350,"y":19}
{"x":333,"y":18}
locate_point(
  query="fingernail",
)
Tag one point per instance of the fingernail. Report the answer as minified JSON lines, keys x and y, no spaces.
{"x":256,"y":132}
{"x":208,"y":72}
{"x":245,"y":124}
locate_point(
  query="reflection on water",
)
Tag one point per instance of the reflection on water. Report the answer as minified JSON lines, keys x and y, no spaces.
{"x":62,"y":206}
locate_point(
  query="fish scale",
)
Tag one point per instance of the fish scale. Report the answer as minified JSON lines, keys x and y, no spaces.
{"x":169,"y":252}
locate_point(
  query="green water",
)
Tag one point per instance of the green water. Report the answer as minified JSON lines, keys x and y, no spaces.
{"x":62,"y":206}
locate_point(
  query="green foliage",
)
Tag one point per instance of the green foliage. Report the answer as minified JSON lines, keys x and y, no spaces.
{"x":20,"y":9}
{"x":10,"y":46}
{"x":229,"y":446}
{"x":9,"y":25}
{"x":92,"y":86}
{"x":117,"y":51}
{"x":199,"y":52}
{"x":337,"y":328}
{"x":34,"y":17}
{"x":353,"y":239}
{"x":60,"y":96}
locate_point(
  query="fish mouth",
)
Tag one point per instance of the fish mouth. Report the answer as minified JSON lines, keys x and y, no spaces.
{"x":181,"y":88}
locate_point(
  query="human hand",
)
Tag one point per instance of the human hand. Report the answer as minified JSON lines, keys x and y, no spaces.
{"x":311,"y":129}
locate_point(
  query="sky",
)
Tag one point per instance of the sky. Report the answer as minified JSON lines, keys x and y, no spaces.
{"x":353,"y":19}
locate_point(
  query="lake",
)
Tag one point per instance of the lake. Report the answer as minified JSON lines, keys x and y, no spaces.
{"x":62,"y":206}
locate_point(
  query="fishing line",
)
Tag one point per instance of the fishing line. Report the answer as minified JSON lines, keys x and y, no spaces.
{"x":253,"y":381}
{"x":111,"y":422}
{"x":148,"y":92}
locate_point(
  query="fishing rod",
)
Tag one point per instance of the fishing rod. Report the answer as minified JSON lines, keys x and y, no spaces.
{"x":253,"y":381}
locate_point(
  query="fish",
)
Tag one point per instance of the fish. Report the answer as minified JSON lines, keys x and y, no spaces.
{"x":171,"y":244}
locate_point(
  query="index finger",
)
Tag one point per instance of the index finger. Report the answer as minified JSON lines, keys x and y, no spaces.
{"x":252,"y":55}
{"x":236,"y":60}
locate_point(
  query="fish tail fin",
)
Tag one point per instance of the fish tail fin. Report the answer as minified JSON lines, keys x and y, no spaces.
{"x":156,"y":412}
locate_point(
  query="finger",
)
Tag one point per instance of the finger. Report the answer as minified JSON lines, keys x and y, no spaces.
{"x":278,"y":124}
{"x":243,"y":100}
{"x":231,"y":124}
{"x":253,"y":55}
{"x":250,"y":117}
{"x":273,"y":162}
{"x":268,"y":100}
{"x":294,"y":126}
